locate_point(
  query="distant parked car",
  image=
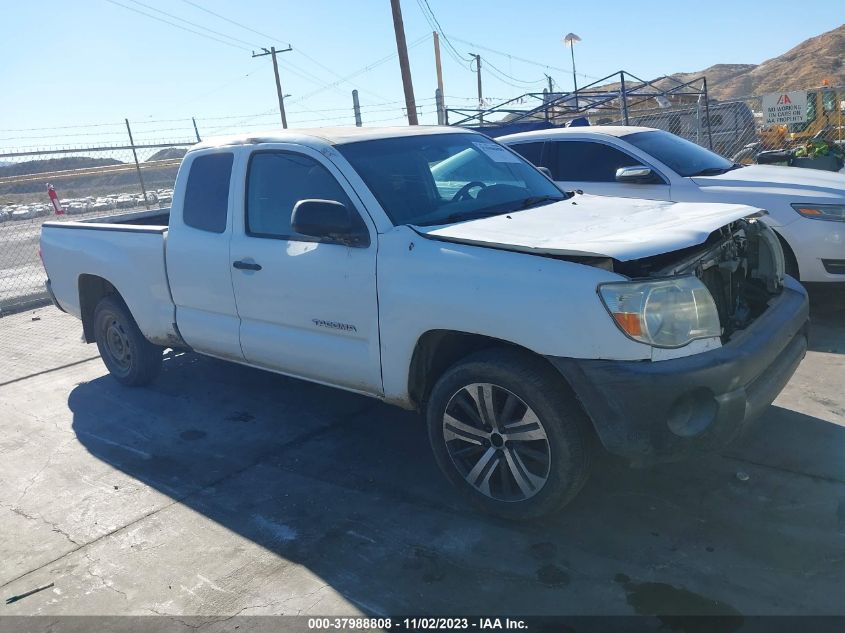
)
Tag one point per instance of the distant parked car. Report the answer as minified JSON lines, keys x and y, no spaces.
{"x":23,"y":213}
{"x":107,"y":203}
{"x":806,"y":207}
{"x":76,"y":208}
{"x":40,"y":210}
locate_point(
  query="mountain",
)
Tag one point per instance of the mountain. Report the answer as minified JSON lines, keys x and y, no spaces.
{"x":95,"y":182}
{"x":800,"y":68}
{"x":169,"y":153}
{"x":803,"y":67}
{"x":54,"y":164}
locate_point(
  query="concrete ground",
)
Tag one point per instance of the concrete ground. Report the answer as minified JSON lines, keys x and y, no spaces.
{"x":223,"y":490}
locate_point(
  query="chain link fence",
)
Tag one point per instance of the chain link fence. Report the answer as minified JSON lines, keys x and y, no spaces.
{"x":817,"y":142}
{"x":737,"y":130}
{"x":89,"y":182}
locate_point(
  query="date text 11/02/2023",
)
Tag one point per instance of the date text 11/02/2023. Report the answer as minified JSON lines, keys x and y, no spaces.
{"x":422,"y":623}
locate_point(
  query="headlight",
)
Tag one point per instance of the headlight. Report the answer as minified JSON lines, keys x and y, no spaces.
{"x":662,"y":313}
{"x":834,"y":212}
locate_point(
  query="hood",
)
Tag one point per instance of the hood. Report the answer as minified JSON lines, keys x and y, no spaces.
{"x":795,"y":181}
{"x":596,"y":226}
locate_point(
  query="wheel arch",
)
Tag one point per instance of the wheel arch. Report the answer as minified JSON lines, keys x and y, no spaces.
{"x":792,"y":267}
{"x":437,"y":350}
{"x":92,"y":289}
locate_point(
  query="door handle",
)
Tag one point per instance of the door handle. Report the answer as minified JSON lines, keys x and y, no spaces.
{"x":242,"y":265}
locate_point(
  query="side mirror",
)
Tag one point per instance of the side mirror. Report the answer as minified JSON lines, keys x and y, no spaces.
{"x":636,"y":174}
{"x":329,"y":220}
{"x":546,"y":172}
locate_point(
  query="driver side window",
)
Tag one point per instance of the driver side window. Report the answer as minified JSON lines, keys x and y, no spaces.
{"x":276,"y":181}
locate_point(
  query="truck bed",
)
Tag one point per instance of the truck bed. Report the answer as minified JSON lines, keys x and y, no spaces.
{"x":154,"y":218}
{"x":125,"y":250}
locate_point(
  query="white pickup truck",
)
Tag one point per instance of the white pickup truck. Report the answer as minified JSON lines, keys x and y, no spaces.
{"x":439,"y":271}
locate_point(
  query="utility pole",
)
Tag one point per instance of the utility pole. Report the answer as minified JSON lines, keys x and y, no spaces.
{"x":441,"y":108}
{"x":273,"y":52}
{"x":404,"y":66}
{"x":480,"y":96}
{"x":442,"y":119}
{"x":356,"y":108}
{"x":548,"y":99}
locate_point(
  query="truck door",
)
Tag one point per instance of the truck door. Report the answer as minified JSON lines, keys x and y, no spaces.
{"x":307,"y":307}
{"x":198,"y":264}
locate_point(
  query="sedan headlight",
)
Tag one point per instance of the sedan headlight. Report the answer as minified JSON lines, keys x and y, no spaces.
{"x":662,"y":313}
{"x":834,"y":212}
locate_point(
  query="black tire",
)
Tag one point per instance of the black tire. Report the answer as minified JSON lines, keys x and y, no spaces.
{"x":569,"y":435}
{"x":128,"y":356}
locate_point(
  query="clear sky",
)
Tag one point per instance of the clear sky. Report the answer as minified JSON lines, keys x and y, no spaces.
{"x":93,"y":62}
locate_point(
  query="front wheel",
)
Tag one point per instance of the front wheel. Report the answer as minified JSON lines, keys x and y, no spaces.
{"x":507,"y":433}
{"x":128,"y":356}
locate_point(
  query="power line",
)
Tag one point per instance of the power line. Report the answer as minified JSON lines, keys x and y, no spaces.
{"x":230,"y":21}
{"x":178,"y":26}
{"x":440,"y":30}
{"x":61,"y":127}
{"x":194,"y":24}
{"x":521,"y":59}
{"x":364,"y":69}
{"x":296,"y":50}
{"x":291,"y":67}
{"x":212,"y":91}
{"x":498,"y":70}
{"x":297,"y":71}
{"x":498,"y":73}
{"x":429,"y":16}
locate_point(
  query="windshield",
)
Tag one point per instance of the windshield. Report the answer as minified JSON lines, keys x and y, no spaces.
{"x":443,"y":178}
{"x":683,"y":156}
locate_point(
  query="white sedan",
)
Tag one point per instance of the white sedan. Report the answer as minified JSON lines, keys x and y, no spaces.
{"x":806,"y":206}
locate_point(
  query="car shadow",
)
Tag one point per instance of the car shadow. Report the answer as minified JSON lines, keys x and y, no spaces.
{"x":347,"y":488}
{"x":827,"y":317}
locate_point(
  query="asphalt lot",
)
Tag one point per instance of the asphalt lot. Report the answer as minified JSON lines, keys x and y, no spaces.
{"x":224,"y":490}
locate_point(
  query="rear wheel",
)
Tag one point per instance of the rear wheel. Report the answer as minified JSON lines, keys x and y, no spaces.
{"x":128,"y":356}
{"x":507,"y":433}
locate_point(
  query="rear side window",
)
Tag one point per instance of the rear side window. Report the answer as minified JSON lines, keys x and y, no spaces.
{"x":207,"y":193}
{"x":585,"y":161}
{"x":532,"y":152}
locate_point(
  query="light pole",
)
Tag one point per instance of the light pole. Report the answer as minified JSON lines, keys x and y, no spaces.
{"x":570,"y":39}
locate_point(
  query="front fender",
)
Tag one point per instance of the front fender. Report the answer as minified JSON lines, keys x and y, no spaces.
{"x":543,"y":304}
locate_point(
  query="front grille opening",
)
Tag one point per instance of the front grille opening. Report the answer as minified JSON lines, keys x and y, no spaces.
{"x":834,"y":266}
